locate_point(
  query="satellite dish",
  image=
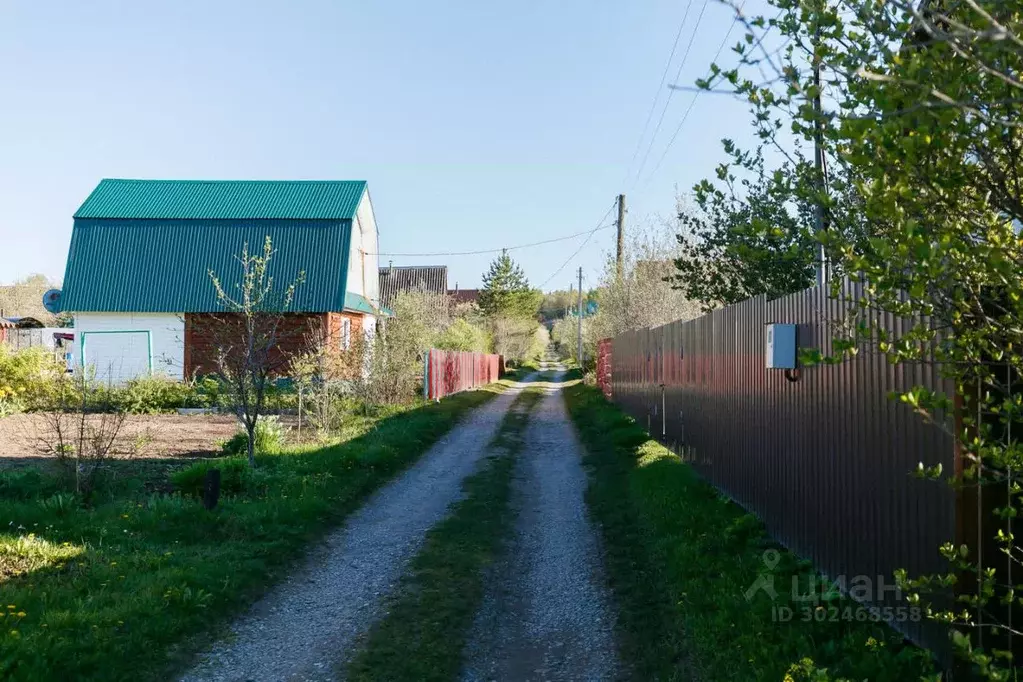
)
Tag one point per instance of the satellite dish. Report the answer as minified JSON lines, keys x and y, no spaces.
{"x":51,"y":301}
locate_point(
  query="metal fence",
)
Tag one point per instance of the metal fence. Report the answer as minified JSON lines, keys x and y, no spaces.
{"x":448,"y":372}
{"x":823,"y":457}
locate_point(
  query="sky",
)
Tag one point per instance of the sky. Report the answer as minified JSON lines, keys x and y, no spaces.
{"x":478,"y":125}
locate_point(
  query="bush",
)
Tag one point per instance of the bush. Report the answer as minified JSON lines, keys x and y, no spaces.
{"x":269,"y":438}
{"x":234,"y":475}
{"x":517,"y":339}
{"x":464,"y":336}
{"x":150,"y":395}
{"x":27,"y":378}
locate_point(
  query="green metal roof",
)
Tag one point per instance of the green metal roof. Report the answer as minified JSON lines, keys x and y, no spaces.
{"x":163,"y":265}
{"x":224,"y":199}
{"x":359,"y":304}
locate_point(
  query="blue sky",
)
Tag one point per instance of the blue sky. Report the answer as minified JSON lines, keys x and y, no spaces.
{"x":477,"y":124}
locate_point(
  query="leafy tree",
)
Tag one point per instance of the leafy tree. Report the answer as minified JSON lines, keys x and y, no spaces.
{"x":747,"y":236}
{"x":247,"y":338}
{"x":555,"y":303}
{"x":919,"y":120}
{"x":506,"y":291}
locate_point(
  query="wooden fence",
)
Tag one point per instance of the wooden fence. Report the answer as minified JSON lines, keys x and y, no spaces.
{"x":822,"y":456}
{"x":448,"y":372}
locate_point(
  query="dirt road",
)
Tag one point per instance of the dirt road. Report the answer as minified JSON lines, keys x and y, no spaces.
{"x":305,"y":627}
{"x":547,"y":615}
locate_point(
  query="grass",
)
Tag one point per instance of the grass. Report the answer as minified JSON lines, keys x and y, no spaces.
{"x":680,"y":558}
{"x":428,"y":622}
{"x":131,"y":585}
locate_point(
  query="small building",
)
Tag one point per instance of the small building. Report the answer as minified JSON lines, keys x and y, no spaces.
{"x":396,"y":279}
{"x":138,"y":272}
{"x":461,"y":296}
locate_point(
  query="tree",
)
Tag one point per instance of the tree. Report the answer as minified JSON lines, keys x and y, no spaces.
{"x":917,"y":115}
{"x":247,"y":336}
{"x":24,"y":298}
{"x":746,"y":237}
{"x":506,"y":291}
{"x":555,"y":304}
{"x":640,"y":296}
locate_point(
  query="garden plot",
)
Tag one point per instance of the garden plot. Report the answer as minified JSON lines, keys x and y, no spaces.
{"x":150,"y":436}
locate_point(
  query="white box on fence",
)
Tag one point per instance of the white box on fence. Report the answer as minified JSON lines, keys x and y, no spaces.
{"x":781,"y":346}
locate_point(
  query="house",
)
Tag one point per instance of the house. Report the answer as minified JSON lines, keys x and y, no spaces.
{"x":403,"y":278}
{"x":138,"y":271}
{"x":459,"y":296}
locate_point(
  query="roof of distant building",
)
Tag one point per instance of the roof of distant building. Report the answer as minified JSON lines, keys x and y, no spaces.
{"x":395,"y":279}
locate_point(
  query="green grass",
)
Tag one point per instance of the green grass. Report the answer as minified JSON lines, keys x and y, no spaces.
{"x":680,"y":557}
{"x":130,"y":586}
{"x":430,"y":616}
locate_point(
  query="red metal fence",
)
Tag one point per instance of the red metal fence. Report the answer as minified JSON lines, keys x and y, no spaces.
{"x":448,"y":371}
{"x":823,"y":456}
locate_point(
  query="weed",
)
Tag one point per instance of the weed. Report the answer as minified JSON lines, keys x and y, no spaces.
{"x":270,"y":435}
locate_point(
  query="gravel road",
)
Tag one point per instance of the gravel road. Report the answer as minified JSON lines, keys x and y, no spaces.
{"x":304,"y":627}
{"x":547,"y":614}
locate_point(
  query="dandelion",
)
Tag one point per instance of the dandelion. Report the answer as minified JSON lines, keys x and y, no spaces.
{"x":113,"y":563}
{"x":20,"y":614}
{"x":11,"y":606}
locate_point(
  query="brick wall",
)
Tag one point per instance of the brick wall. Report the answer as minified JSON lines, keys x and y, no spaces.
{"x":205,"y":331}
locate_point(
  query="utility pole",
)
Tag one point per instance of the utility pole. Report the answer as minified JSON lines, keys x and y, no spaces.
{"x":820,"y":222}
{"x":621,"y":233}
{"x":579,"y":322}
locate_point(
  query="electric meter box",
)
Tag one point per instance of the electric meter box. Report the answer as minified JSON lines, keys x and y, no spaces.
{"x":781,"y":346}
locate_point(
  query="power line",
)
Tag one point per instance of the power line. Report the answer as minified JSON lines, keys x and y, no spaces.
{"x":499,"y":249}
{"x":678,"y":74}
{"x":657,"y":93}
{"x":585,"y":241}
{"x":692,"y":102}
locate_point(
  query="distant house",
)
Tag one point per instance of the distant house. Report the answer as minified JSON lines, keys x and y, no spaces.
{"x":137,"y":278}
{"x":464,"y":295}
{"x":396,"y":279}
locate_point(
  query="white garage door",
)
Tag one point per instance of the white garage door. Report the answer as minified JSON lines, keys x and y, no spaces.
{"x":116,"y":357}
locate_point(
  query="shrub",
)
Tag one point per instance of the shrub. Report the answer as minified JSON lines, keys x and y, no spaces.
{"x":150,"y":395}
{"x":464,"y":336}
{"x":517,"y":339}
{"x":234,"y":473}
{"x":26,"y":378}
{"x":269,"y":438}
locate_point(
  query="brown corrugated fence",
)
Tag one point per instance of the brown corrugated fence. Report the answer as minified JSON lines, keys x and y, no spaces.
{"x":824,"y":460}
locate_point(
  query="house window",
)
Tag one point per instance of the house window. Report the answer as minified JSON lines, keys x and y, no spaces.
{"x":346,"y":333}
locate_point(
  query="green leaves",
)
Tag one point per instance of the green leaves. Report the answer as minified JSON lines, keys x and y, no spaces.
{"x":506,"y":291}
